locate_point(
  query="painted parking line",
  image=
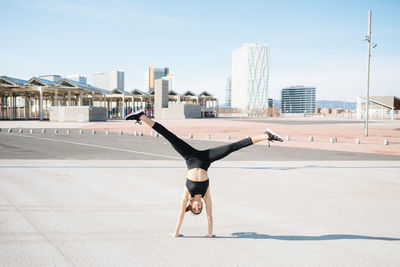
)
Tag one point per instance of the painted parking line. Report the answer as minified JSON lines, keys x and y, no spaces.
{"x":97,"y":146}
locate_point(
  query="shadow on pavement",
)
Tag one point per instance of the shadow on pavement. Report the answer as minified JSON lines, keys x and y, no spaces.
{"x":254,"y":235}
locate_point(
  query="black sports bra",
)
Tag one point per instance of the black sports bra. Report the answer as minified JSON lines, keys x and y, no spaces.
{"x":195,"y":188}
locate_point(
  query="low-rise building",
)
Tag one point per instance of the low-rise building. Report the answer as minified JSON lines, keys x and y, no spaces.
{"x":380,"y":107}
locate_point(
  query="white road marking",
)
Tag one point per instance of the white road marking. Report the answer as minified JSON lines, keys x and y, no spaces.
{"x":98,"y":146}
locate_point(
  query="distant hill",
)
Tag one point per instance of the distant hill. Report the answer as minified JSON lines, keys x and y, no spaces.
{"x":327,"y":104}
{"x":336,"y":104}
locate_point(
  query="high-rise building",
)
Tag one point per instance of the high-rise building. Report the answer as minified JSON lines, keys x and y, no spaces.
{"x":270,"y":103}
{"x":250,"y":70}
{"x":228,"y":92}
{"x":78,"y":78}
{"x":153,"y":74}
{"x":298,"y":99}
{"x":109,"y":80}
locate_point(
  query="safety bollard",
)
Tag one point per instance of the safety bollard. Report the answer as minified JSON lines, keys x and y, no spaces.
{"x":190,"y":135}
{"x":386,"y":142}
{"x":228,"y":137}
{"x":141,"y":134}
{"x":357,"y":141}
{"x":68,"y":131}
{"x":107,"y":132}
{"x":157,"y":135}
{"x":135,"y":133}
{"x":311,"y":139}
{"x":208,"y":136}
{"x":334,"y":139}
{"x":94,"y":132}
{"x":56,"y":131}
{"x":331,"y":140}
{"x":43,"y":130}
{"x":121,"y":132}
{"x":151,"y":133}
{"x":287,"y":138}
{"x":80,"y":131}
{"x":0,"y":129}
{"x":21,"y":131}
{"x":10,"y":130}
{"x":31,"y":131}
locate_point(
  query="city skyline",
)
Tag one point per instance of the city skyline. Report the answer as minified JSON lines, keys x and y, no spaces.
{"x":311,"y":44}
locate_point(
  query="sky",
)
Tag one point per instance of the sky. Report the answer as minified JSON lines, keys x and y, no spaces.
{"x":312,"y":43}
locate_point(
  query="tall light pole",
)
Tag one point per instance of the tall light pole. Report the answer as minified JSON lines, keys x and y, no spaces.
{"x":368,"y":39}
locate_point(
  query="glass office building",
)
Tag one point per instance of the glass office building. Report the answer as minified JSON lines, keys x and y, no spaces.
{"x":298,"y":99}
{"x":152,"y":74}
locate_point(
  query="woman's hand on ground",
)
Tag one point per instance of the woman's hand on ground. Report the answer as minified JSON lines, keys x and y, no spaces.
{"x":209,"y":235}
{"x":177,"y":235}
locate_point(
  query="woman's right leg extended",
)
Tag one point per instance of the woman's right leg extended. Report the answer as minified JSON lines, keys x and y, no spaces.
{"x":178,"y":144}
{"x":220,"y":152}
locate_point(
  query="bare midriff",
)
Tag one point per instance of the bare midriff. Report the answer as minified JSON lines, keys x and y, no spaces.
{"x":197,"y":175}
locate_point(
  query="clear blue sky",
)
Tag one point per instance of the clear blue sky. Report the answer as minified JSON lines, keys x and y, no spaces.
{"x":316,"y":43}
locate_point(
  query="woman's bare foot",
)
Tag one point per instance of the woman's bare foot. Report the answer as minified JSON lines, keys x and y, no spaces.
{"x":209,"y":235}
{"x":177,"y":235}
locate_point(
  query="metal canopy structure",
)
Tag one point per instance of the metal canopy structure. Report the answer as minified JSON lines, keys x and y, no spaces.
{"x":32,"y":99}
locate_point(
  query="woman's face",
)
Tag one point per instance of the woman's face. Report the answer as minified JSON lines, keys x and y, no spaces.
{"x":197,"y":206}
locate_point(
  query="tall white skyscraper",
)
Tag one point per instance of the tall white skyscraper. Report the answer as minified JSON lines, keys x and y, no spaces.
{"x":250,"y":71}
{"x":109,"y":80}
{"x":78,"y":78}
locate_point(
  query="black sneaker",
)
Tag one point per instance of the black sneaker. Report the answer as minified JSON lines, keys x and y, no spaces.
{"x":135,"y":116}
{"x":272,"y":136}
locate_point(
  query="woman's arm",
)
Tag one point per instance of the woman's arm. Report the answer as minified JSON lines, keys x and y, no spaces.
{"x":207,"y":200}
{"x":184,"y":201}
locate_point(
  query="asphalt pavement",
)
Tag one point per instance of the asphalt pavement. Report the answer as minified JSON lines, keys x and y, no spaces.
{"x":50,"y":145}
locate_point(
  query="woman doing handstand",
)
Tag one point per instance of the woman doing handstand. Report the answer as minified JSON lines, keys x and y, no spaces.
{"x":198,"y":162}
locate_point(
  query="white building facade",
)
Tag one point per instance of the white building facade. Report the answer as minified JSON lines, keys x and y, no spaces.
{"x":109,"y":80}
{"x":250,"y":72}
{"x":80,"y":78}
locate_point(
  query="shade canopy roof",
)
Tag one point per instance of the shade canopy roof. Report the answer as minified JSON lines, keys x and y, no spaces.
{"x":20,"y":85}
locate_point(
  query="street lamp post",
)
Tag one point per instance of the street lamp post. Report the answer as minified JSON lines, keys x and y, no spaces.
{"x":368,"y":39}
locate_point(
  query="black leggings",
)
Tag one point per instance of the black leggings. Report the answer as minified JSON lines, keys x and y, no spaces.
{"x":196,"y":157}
